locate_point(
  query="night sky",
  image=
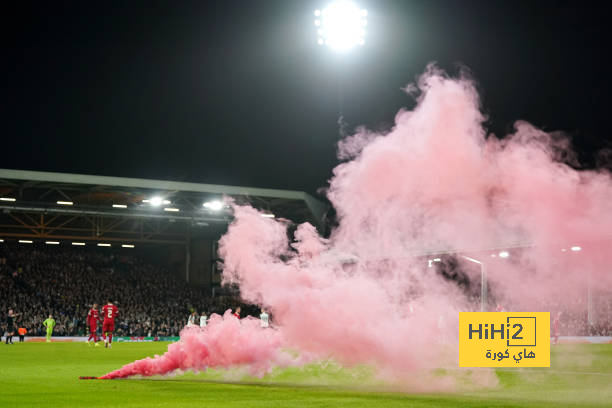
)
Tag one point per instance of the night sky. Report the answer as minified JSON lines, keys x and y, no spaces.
{"x":238,"y":92}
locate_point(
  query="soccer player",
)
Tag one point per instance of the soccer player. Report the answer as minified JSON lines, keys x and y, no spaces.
{"x":93,"y":318}
{"x":203,"y":320}
{"x":10,"y":326}
{"x":49,"y":324}
{"x":237,"y":313}
{"x":192,"y":319}
{"x":110,"y":312}
{"x":264,"y":319}
{"x":556,"y":327}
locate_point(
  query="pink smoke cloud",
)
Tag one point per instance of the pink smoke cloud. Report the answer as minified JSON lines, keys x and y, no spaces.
{"x":435,"y":183}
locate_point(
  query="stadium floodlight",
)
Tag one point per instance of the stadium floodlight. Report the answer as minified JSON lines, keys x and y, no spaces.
{"x":25,"y":241}
{"x":156,"y":201}
{"x":11,"y":199}
{"x":1,"y":240}
{"x":119,"y":206}
{"x":213,"y":205}
{"x":65,"y":203}
{"x":504,"y":254}
{"x":52,"y":242}
{"x":268,"y":215}
{"x":431,"y":261}
{"x":170,"y":209}
{"x":341,"y":25}
{"x":78,"y":243}
{"x":576,"y":248}
{"x":101,"y":244}
{"x":127,"y":246}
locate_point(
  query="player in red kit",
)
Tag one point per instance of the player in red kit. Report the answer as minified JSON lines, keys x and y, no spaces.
{"x":237,"y":313}
{"x":109,"y":312}
{"x":93,"y":317}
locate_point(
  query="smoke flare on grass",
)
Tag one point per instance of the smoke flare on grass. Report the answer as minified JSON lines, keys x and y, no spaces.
{"x":225,"y":342}
{"x":435,"y":183}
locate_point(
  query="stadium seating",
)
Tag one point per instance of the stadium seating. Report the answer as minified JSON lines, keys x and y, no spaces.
{"x":36,"y":281}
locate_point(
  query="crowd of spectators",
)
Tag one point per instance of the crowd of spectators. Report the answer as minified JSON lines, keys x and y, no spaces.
{"x":65,"y":282}
{"x":38,"y":281}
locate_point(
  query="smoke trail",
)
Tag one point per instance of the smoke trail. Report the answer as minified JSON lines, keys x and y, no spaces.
{"x":435,"y":183}
{"x":225,"y":342}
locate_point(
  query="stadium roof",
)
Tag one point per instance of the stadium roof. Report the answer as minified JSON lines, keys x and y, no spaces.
{"x":66,"y":206}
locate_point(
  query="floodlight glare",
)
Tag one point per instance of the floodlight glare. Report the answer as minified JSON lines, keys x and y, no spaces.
{"x":504,"y":254}
{"x":341,"y":25}
{"x":214,"y":205}
{"x":576,"y":248}
{"x":156,"y":201}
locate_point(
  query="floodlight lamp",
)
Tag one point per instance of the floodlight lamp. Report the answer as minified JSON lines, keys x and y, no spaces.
{"x":341,"y":25}
{"x":156,"y":201}
{"x":214,"y":205}
{"x":504,"y":254}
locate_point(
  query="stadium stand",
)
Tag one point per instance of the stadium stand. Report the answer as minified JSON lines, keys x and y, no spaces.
{"x":36,"y":281}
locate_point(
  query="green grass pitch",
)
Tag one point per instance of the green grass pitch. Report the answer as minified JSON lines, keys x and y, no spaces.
{"x":46,"y":375}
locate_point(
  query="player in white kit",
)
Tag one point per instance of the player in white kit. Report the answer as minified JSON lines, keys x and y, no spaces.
{"x":191,"y":320}
{"x":264,"y":319}
{"x":203,"y":320}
